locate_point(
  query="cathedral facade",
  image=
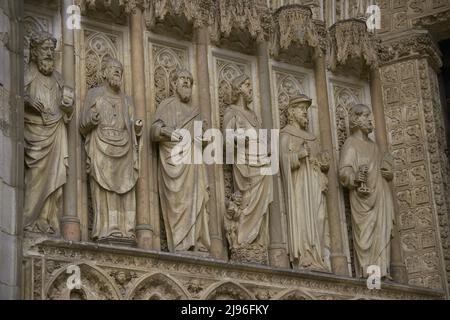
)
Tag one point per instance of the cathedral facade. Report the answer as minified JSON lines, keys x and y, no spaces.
{"x":348,"y":199}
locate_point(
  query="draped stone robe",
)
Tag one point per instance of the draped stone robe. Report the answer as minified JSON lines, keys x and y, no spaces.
{"x":372,"y":215}
{"x":256,"y":189}
{"x":46,"y":152}
{"x":304,"y":187}
{"x":112,"y":163}
{"x":183,"y":187}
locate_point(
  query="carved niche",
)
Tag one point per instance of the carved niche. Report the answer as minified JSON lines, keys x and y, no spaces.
{"x":287,"y":86}
{"x":226,"y":72}
{"x":99,"y":46}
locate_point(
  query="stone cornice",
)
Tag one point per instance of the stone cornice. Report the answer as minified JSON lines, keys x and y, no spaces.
{"x":409,"y":45}
{"x":431,"y":19}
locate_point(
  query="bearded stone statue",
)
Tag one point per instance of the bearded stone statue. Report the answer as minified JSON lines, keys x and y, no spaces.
{"x":112,"y":147}
{"x":303,"y":167}
{"x":365,"y":171}
{"x":48,"y":108}
{"x":183,"y":186}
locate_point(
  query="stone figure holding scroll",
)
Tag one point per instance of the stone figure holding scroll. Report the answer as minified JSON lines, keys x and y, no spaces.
{"x":112,"y":147}
{"x":303,"y":168}
{"x":365,"y":171}
{"x":183,"y":186}
{"x":255,"y":189}
{"x":48,"y":108}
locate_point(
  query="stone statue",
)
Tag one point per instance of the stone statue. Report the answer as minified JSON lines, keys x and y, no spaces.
{"x":48,"y":108}
{"x":112,"y":147}
{"x":255,"y":189}
{"x":365,"y":171}
{"x":183,"y":187}
{"x":303,"y":169}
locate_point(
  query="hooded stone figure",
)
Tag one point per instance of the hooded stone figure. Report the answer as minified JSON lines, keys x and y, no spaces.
{"x":48,"y":108}
{"x":112,"y":137}
{"x":256,"y":189}
{"x":183,"y":186}
{"x":365,"y":171}
{"x":303,"y":169}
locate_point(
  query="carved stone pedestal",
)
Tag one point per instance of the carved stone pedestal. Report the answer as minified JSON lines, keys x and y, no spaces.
{"x":111,"y":272}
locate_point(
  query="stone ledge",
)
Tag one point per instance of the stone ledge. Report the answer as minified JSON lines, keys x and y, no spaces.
{"x":111,"y":272}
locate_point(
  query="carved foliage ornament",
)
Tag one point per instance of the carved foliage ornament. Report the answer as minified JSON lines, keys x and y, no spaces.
{"x":349,"y":42}
{"x":293,"y":23}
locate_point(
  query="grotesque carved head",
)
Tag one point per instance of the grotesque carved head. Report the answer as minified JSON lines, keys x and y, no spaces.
{"x":42,"y":47}
{"x":242,"y":85}
{"x":360,"y":117}
{"x":297,"y":111}
{"x":182,"y":81}
{"x":112,"y":72}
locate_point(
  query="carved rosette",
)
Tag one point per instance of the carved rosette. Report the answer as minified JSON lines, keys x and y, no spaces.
{"x":351,"y":45}
{"x":293,"y":24}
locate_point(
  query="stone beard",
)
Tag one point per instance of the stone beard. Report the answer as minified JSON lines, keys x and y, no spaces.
{"x":256,"y":190}
{"x":372,"y":207}
{"x":46,"y":154}
{"x":182,"y":187}
{"x":304,"y":186}
{"x":112,"y":161}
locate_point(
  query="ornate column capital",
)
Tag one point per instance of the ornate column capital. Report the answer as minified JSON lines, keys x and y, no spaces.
{"x":294,"y":24}
{"x":352,"y":46}
{"x":408,"y":45}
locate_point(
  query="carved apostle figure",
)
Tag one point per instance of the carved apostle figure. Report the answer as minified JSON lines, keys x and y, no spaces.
{"x":255,"y":189}
{"x":182,"y":184}
{"x":112,"y":137}
{"x":48,"y":108}
{"x":365,"y":171}
{"x":303,"y":168}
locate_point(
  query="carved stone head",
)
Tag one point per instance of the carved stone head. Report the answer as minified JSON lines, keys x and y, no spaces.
{"x":112,"y":72}
{"x":360,"y":118}
{"x":182,"y":81}
{"x":242,"y":86}
{"x":297,"y":111}
{"x":42,"y":47}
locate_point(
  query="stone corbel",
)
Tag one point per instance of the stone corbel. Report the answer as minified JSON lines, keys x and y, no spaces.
{"x":351,"y":46}
{"x":408,"y":45}
{"x":293,"y":25}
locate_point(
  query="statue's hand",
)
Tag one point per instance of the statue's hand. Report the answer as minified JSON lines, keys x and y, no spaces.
{"x":138,"y":125}
{"x":362,"y":173}
{"x":387,"y":174}
{"x":95,"y":118}
{"x":304,"y":152}
{"x":33,"y":103}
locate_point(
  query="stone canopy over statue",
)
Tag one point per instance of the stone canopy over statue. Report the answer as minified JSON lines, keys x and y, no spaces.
{"x":253,"y":191}
{"x":112,"y":147}
{"x":183,"y":186}
{"x":365,"y":171}
{"x":48,"y":108}
{"x":303,"y":169}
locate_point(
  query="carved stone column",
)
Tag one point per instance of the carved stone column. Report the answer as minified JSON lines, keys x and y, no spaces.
{"x":70,"y":222}
{"x":398,"y":268}
{"x":338,"y":259}
{"x":144,"y":232}
{"x":277,"y":247}
{"x":216,"y":218}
